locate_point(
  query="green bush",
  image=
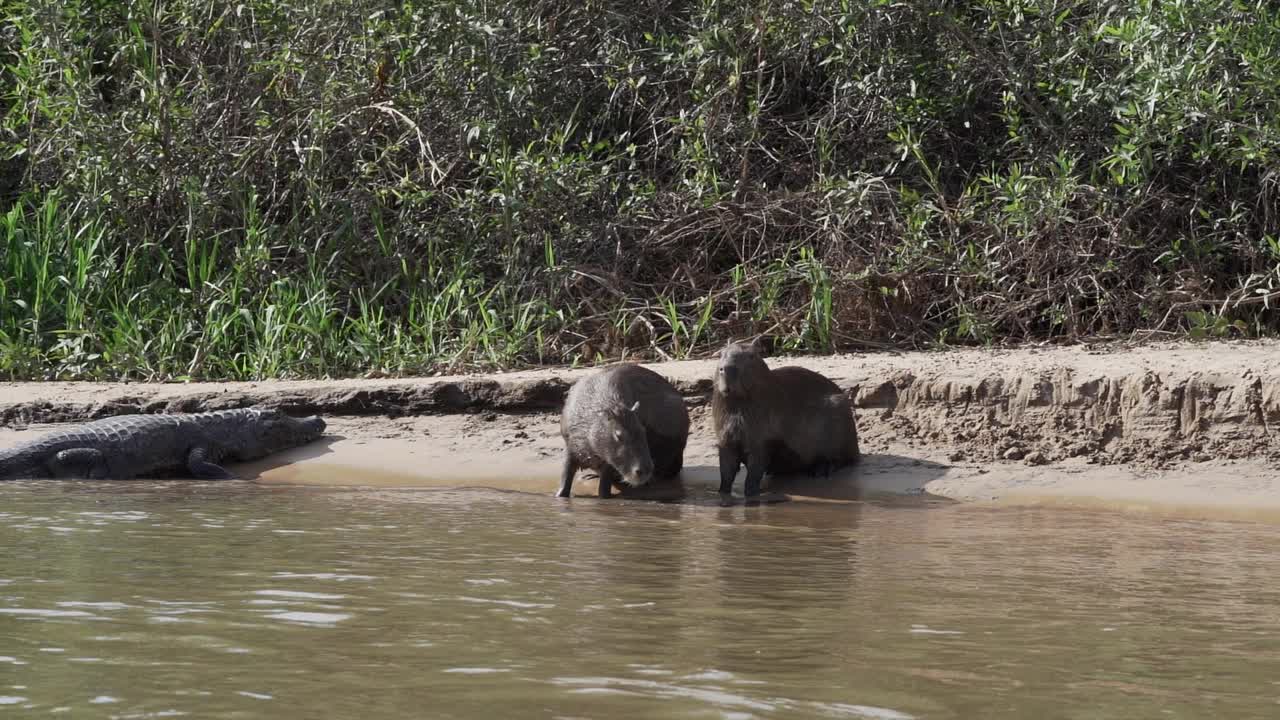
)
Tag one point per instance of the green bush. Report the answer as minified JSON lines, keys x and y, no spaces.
{"x":242,"y":190}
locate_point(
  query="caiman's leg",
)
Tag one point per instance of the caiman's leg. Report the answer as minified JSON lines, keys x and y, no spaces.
{"x":566,"y":476}
{"x":81,"y":463}
{"x":200,"y":467}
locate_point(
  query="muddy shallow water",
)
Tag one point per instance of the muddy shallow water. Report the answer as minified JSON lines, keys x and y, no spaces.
{"x":244,"y":600}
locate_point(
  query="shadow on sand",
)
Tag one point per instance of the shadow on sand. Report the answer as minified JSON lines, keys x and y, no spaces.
{"x":254,"y":469}
{"x":880,"y":477}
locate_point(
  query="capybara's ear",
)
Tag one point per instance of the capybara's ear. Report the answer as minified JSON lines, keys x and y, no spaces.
{"x":762,"y":345}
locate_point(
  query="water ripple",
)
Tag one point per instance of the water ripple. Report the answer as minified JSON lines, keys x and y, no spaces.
{"x":925,"y":630}
{"x":310,"y":618}
{"x":709,"y":695}
{"x":340,"y":577}
{"x":508,"y":603}
{"x":95,"y":605}
{"x":861,"y":711}
{"x":298,"y":594}
{"x":49,"y":613}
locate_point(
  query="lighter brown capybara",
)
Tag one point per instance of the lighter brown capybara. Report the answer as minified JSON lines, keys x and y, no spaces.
{"x":788,"y":420}
{"x":625,"y":422}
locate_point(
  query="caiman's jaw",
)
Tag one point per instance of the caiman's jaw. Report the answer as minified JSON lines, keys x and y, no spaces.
{"x":300,"y":431}
{"x":315,"y":426}
{"x":280,"y":432}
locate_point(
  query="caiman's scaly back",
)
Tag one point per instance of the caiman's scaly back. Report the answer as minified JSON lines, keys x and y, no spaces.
{"x":128,"y":446}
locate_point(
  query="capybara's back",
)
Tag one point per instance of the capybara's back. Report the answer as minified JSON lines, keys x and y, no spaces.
{"x":784,"y":421}
{"x":625,"y":422}
{"x":820,"y":430}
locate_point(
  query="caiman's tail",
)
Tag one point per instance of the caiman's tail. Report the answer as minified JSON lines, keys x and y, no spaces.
{"x":17,"y":467}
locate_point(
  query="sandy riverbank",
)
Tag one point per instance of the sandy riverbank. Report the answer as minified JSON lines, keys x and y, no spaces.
{"x":1164,"y":426}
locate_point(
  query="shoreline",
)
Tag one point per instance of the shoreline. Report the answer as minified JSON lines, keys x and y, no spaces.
{"x":1188,"y":425}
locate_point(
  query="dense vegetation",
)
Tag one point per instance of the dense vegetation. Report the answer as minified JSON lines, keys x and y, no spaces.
{"x":215,"y":189}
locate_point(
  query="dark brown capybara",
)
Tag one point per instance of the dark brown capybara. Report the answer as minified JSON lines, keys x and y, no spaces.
{"x":784,"y":421}
{"x":625,"y":422}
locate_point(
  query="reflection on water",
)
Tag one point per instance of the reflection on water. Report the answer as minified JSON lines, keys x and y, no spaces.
{"x":139,"y":600}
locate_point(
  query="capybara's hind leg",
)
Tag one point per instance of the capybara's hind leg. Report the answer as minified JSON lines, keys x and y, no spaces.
{"x":756,"y":465}
{"x":677,"y":460}
{"x":667,"y":455}
{"x":822,"y":468}
{"x":674,"y":467}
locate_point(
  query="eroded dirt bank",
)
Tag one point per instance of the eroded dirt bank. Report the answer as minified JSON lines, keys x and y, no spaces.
{"x":1184,"y":424}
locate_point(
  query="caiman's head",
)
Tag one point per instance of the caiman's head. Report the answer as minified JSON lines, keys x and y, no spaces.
{"x":270,"y":431}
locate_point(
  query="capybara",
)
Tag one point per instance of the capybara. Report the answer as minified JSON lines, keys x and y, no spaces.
{"x":625,"y":422}
{"x":788,"y":420}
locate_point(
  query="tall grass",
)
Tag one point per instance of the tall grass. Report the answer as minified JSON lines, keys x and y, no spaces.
{"x":74,"y":311}
{"x":241,"y":190}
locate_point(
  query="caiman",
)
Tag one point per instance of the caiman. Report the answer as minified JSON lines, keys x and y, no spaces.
{"x":170,"y":445}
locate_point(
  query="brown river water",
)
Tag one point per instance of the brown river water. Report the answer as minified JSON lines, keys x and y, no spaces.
{"x":241,"y":600}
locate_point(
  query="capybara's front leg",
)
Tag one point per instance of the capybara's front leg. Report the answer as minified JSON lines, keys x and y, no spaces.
{"x":566,"y":476}
{"x":608,"y":476}
{"x":730,"y":459}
